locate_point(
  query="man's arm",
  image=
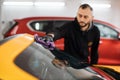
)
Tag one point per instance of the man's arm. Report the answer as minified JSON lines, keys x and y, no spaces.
{"x":70,"y":60}
{"x":59,"y":32}
{"x":61,"y":57}
{"x":94,"y":49}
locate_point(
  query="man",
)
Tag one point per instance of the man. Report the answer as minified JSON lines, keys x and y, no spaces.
{"x":81,"y":36}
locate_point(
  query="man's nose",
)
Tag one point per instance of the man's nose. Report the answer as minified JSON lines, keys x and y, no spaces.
{"x":82,"y":19}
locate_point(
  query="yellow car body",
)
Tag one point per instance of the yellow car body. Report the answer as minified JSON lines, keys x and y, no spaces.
{"x":114,"y":67}
{"x":14,"y":46}
{"x":10,"y":50}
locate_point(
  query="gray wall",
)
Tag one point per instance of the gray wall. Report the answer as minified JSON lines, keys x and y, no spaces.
{"x":112,"y":14}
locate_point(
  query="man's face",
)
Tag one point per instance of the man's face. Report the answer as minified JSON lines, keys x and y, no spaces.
{"x":84,"y":17}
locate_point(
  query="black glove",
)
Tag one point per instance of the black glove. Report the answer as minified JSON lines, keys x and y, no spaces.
{"x":47,"y":38}
{"x":46,"y":41}
{"x":71,"y":61}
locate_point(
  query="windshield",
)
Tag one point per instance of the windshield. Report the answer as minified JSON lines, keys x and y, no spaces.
{"x":38,"y":61}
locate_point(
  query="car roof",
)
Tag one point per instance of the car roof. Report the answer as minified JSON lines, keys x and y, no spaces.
{"x":45,"y":18}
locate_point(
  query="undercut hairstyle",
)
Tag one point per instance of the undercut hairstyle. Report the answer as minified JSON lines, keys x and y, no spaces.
{"x":84,"y":6}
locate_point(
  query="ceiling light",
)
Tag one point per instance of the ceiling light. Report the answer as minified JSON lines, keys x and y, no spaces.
{"x":17,"y":3}
{"x":54,"y":4}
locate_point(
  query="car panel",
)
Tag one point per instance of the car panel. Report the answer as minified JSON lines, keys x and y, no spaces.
{"x":113,"y":57}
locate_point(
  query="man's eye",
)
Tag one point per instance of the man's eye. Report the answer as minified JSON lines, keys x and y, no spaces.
{"x":80,"y":16}
{"x":85,"y":17}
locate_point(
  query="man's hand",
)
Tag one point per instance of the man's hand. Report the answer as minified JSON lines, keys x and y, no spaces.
{"x":46,"y":41}
{"x":60,"y":63}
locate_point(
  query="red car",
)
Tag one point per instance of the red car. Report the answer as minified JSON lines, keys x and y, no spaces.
{"x":109,"y":52}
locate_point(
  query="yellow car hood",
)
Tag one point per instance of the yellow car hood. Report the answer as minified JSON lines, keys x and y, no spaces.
{"x":8,"y":52}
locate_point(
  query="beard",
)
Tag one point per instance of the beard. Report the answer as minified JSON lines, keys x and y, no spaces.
{"x":83,"y":24}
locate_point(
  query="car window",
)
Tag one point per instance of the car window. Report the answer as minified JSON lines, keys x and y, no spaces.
{"x":37,"y":61}
{"x":59,"y":23}
{"x":46,"y":26}
{"x":106,"y":31}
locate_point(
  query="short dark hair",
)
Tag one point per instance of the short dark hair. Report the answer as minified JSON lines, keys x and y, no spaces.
{"x":84,"y":6}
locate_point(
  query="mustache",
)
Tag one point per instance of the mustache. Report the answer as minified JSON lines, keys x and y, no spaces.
{"x":82,"y":22}
{"x":85,"y":24}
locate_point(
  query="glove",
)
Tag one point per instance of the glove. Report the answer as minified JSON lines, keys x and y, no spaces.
{"x":46,"y":41}
{"x":59,"y":63}
{"x":69,"y":60}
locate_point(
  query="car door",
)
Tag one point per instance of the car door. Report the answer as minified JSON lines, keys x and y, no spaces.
{"x":109,"y":48}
